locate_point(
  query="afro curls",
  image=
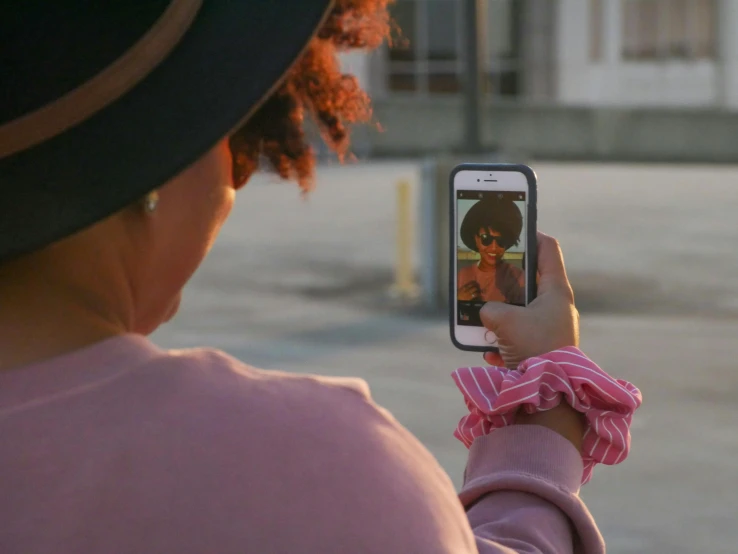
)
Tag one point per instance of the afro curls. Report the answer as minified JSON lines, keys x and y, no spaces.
{"x":316,"y":87}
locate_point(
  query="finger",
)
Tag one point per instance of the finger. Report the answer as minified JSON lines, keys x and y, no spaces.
{"x":494,"y":315}
{"x":550,"y":263}
{"x":493,"y":358}
{"x":474,"y":290}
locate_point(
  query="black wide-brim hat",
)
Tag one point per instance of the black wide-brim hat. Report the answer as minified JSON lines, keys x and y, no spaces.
{"x":102,"y":102}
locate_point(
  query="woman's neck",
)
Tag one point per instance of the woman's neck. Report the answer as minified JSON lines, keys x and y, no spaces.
{"x":487,"y":267}
{"x":46,"y":312}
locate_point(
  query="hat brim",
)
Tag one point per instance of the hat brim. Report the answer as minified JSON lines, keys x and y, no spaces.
{"x":215,"y":77}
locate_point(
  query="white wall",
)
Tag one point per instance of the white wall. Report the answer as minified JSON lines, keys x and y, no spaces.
{"x":574,"y":82}
{"x":610,"y":81}
{"x":727,"y":76}
{"x":667,"y":84}
{"x":356,"y":63}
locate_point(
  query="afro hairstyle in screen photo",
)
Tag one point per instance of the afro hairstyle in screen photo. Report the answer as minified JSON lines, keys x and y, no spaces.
{"x":499,"y":214}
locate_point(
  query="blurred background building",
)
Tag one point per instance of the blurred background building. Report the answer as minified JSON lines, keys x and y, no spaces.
{"x":653,"y":80}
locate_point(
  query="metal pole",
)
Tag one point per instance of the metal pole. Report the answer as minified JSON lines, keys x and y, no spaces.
{"x":473,"y":35}
{"x":405,"y":285}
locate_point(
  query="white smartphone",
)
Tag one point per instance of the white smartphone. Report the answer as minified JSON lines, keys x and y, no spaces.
{"x":493,"y":246}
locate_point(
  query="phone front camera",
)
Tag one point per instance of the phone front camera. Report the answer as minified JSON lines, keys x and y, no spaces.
{"x":477,"y":180}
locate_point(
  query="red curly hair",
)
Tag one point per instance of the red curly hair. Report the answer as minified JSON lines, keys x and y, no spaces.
{"x":314,"y":86}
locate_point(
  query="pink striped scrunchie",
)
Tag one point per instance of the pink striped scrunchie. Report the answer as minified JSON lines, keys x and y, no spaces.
{"x":493,"y":395}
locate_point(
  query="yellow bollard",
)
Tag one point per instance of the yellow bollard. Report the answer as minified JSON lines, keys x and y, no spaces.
{"x":404,"y":285}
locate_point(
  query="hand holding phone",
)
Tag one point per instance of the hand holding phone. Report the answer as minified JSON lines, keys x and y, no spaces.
{"x":550,"y":322}
{"x":493,"y":246}
{"x":469,"y":292}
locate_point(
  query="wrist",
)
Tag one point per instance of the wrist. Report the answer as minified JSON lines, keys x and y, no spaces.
{"x":563,"y":419}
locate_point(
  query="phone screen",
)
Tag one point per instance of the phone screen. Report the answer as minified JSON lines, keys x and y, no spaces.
{"x":490,"y":251}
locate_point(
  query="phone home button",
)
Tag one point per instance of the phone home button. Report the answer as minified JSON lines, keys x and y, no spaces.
{"x":491,"y":338}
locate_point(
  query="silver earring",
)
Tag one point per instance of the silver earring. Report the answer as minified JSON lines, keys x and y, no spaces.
{"x":151,"y":200}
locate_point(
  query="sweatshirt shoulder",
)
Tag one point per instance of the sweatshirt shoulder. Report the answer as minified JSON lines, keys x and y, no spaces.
{"x":208,"y":369}
{"x":303,"y":448}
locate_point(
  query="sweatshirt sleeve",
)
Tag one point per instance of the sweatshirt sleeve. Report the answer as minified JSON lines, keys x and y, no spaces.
{"x":521,"y":494}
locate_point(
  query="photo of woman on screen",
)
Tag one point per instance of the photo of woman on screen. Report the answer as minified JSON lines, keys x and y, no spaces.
{"x":491,"y":227}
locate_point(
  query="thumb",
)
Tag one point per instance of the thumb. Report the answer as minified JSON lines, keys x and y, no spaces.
{"x":495,"y":314}
{"x":550,"y":264}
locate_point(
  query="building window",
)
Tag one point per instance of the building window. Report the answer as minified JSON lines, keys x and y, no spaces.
{"x":430,"y":58}
{"x":502,"y":45}
{"x":669,"y":29}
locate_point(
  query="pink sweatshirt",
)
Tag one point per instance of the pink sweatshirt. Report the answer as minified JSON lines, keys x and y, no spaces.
{"x":125,"y":448}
